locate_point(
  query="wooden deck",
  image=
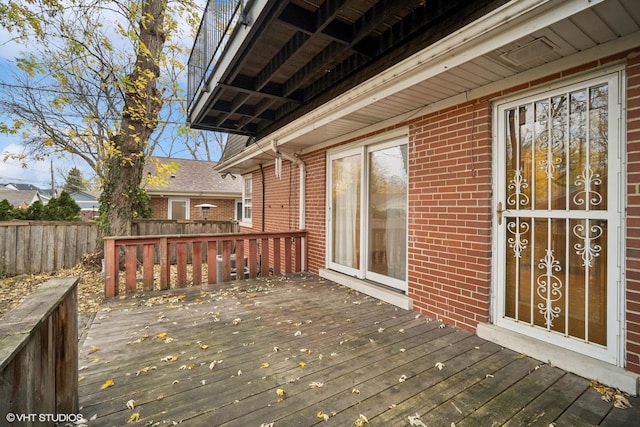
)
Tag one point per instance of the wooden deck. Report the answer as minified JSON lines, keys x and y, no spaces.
{"x":290,"y":351}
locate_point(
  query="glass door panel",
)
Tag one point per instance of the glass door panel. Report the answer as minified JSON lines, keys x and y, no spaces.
{"x":387,"y":214}
{"x":345,"y":213}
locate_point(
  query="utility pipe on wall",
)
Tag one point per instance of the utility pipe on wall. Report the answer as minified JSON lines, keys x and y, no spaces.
{"x":301,"y":206}
{"x":303,"y":173}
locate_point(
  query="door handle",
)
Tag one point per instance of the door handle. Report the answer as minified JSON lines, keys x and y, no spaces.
{"x":499,"y":212}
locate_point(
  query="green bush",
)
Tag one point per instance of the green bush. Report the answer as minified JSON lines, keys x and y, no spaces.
{"x":62,"y":208}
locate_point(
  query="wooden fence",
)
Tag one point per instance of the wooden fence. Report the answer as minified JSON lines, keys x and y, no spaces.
{"x":37,"y":246}
{"x":39,"y":354}
{"x":199,"y":259}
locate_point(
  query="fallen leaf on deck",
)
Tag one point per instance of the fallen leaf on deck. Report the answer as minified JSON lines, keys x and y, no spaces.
{"x":266,"y":425}
{"x":131,"y":404}
{"x":108,"y":383}
{"x":170,"y":358}
{"x":355,"y":391}
{"x":440,"y":365}
{"x":212,"y":365}
{"x":316,"y":384}
{"x":162,"y":335}
{"x":322,"y":416}
{"x":302,"y":364}
{"x":145,"y":370}
{"x":402,"y":378}
{"x":280,"y":392}
{"x":362,"y":420}
{"x":133,"y":418}
{"x":612,"y":395}
{"x":93,"y":349}
{"x":95,"y":360}
{"x":414,"y":420}
{"x":264,"y":365}
{"x":297,"y":334}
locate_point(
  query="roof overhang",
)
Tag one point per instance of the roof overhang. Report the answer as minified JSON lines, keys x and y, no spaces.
{"x":442,"y":74}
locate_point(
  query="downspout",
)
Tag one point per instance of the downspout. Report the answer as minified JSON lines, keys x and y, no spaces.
{"x":301,"y":204}
{"x":263,"y":197}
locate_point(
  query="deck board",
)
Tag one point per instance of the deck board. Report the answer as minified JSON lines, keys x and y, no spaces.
{"x":371,"y":358}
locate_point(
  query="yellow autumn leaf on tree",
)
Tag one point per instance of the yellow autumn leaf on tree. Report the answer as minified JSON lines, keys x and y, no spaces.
{"x":133,"y":418}
{"x":108,"y":383}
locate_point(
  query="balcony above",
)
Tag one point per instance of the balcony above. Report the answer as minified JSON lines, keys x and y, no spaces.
{"x":257,"y":68}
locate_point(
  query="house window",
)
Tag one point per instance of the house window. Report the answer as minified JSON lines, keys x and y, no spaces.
{"x":178,"y":209}
{"x":238,"y":216}
{"x":247,"y":194}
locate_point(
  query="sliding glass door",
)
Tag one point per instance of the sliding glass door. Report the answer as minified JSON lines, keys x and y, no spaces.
{"x":367,"y":218}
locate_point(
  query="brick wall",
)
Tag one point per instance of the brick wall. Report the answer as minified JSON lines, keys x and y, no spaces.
{"x":315,"y":201}
{"x":225,"y":209}
{"x":633,"y":213}
{"x":449,"y":247}
{"x":159,"y":207}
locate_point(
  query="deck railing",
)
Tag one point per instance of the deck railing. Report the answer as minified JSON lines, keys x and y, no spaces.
{"x":176,"y":261}
{"x":39,"y":356}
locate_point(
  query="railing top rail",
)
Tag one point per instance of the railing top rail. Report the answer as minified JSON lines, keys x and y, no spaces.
{"x":206,"y":237}
{"x":18,"y":324}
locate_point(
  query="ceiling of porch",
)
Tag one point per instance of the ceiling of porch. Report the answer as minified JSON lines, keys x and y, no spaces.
{"x":599,"y":26}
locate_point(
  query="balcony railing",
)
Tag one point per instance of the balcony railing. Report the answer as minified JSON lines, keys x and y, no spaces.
{"x":218,"y":22}
{"x":176,"y":261}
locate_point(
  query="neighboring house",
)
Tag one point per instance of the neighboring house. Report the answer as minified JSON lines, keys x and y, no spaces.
{"x":89,"y":205}
{"x":20,"y":198}
{"x":194,"y":191}
{"x":478,"y":162}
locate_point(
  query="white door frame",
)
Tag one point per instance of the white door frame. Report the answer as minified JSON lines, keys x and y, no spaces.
{"x":613,"y":352}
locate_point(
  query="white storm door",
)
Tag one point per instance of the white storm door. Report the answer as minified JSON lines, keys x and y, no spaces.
{"x":558,"y":217}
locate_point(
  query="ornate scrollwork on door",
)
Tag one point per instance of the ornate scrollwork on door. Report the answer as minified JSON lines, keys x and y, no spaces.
{"x":517,"y":242}
{"x":549,"y":288}
{"x":589,"y":249}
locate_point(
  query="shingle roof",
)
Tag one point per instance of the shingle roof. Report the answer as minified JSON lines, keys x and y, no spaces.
{"x":194,"y":177}
{"x":18,"y":197}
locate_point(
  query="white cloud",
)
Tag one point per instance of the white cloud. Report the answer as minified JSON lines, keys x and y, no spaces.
{"x":35,"y":172}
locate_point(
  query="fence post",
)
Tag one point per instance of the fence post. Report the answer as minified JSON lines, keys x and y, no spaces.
{"x":110,"y":268}
{"x":165,"y":263}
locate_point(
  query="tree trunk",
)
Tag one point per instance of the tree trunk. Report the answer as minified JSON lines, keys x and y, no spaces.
{"x":123,"y":168}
